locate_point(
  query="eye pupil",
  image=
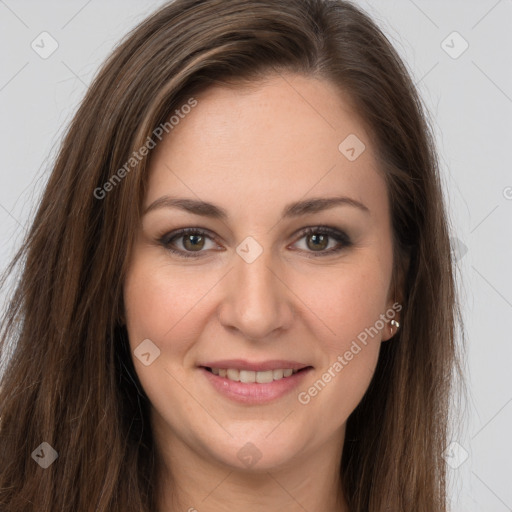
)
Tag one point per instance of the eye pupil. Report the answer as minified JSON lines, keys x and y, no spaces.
{"x":322,"y":239}
{"x":194,"y":239}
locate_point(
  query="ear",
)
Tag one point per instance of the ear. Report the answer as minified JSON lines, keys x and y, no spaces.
{"x":395,"y":299}
{"x":392,"y":320}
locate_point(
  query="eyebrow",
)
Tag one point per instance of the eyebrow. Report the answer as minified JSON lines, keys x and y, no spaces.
{"x":291,"y":210}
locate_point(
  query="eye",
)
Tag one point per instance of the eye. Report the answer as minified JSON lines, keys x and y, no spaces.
{"x":193,"y":242}
{"x":324,"y":241}
{"x":190,"y":242}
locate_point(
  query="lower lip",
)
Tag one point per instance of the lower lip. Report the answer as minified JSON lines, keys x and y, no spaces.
{"x":253,"y":392}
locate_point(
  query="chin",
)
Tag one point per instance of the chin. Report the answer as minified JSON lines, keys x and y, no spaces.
{"x":257,"y":453}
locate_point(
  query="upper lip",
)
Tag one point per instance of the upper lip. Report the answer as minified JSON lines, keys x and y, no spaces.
{"x":241,"y":364}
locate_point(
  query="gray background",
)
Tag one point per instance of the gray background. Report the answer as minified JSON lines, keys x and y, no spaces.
{"x":470,"y":103}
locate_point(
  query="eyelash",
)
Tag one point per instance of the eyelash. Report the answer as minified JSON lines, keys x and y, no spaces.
{"x":341,"y":237}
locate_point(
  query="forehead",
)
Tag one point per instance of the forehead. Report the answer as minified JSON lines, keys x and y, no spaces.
{"x":275,"y":141}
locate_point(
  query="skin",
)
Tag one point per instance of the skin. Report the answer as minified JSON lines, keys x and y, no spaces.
{"x":253,"y":150}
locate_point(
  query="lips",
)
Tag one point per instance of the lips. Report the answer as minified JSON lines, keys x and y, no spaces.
{"x":253,"y":382}
{"x":241,"y":364}
{"x":247,"y":376}
{"x":239,"y":370}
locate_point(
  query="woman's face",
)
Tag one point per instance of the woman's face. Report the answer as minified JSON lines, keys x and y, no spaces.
{"x":249,"y":294}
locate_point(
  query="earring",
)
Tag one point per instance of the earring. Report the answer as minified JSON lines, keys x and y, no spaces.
{"x":396,"y":325}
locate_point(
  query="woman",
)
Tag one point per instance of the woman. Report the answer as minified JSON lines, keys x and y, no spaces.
{"x":237,"y":292}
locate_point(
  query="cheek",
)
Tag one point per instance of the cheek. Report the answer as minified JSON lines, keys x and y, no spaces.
{"x":347,"y":301}
{"x":350,"y":345}
{"x":159,"y":300}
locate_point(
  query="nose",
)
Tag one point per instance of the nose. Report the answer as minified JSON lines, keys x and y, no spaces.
{"x":257,"y":302}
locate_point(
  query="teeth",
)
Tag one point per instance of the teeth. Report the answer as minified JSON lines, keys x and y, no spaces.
{"x":233,"y":374}
{"x":264,"y":377}
{"x":278,"y":374}
{"x":248,"y":376}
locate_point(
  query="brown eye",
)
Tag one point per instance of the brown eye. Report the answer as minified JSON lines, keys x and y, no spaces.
{"x":317,"y":242}
{"x":193,"y":242}
{"x":189,"y":242}
{"x":323,"y":241}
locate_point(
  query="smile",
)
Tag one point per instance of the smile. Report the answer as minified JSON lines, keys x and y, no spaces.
{"x":254,"y":383}
{"x":247,"y":376}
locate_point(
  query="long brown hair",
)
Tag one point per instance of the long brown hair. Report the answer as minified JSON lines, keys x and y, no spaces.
{"x":69,"y":380}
